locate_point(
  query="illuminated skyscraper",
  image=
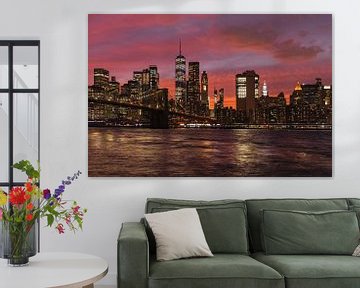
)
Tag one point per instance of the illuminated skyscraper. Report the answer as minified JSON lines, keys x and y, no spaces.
{"x":154,"y":77}
{"x":193,"y":93}
{"x":247,"y":89}
{"x":215,"y":97}
{"x":240,"y":84}
{"x":114,"y":86}
{"x":221,"y":98}
{"x":101,"y":78}
{"x":180,"y":77}
{"x":312,"y":92}
{"x":145,"y":80}
{"x":204,"y":89}
{"x":204,"y":95}
{"x":137,"y":76}
{"x":296,"y":96}
{"x":264,"y":90}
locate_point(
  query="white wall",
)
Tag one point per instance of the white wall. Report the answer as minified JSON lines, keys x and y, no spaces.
{"x":61,"y":25}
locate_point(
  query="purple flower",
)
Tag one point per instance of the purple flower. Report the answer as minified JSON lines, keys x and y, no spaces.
{"x":58,"y":192}
{"x":68,"y":181}
{"x":46,"y":194}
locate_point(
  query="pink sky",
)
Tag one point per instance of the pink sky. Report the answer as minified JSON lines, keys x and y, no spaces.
{"x":282,"y":48}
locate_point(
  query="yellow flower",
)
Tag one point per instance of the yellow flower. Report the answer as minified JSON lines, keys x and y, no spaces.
{"x":3,"y":198}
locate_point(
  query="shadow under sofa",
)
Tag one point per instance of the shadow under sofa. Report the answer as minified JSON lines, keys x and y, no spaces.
{"x":232,"y":229}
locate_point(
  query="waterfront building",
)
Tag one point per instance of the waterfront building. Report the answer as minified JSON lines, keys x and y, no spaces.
{"x":265,"y":90}
{"x":102,"y":90}
{"x":101,"y":78}
{"x":97,"y":91}
{"x":220,"y":103}
{"x":204,"y":89}
{"x":154,"y":77}
{"x":204,"y":98}
{"x":311,"y":104}
{"x":133,"y":90}
{"x":193,"y":92}
{"x":247,"y":90}
{"x":311,"y":93}
{"x":145,"y":80}
{"x":276,"y":109}
{"x":327,"y":104}
{"x":137,"y":76}
{"x":327,"y":96}
{"x":215,"y":97}
{"x":114,"y":87}
{"x":180,"y":78}
{"x":296,"y":96}
{"x":261,"y":110}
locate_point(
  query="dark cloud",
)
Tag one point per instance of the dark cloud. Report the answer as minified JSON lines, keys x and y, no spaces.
{"x":292,"y":50}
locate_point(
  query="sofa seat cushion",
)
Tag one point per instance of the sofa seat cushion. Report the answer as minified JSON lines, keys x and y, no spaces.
{"x":313,"y":271}
{"x":222,"y":270}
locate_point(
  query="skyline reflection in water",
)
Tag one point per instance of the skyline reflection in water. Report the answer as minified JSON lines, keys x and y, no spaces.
{"x":209,"y":152}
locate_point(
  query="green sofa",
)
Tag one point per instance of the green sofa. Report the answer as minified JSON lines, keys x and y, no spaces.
{"x":234,"y":230}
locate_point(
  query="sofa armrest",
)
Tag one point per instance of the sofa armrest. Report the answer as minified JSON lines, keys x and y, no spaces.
{"x":133,"y":256}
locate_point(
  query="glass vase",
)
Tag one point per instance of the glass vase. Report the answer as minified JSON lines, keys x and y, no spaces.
{"x":18,"y":242}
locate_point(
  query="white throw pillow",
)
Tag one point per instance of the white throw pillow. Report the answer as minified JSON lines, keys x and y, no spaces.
{"x":178,"y":234}
{"x":357,"y":251}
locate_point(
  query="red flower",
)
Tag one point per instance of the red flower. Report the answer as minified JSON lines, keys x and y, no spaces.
{"x":17,"y":196}
{"x":29,"y":206}
{"x":27,"y":196}
{"x":29,"y":217}
{"x":75,"y":209}
{"x":60,"y":228}
{"x":68,"y":219}
{"x":29,"y":186}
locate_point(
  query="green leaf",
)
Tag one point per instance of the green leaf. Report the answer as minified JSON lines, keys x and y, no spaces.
{"x":50,"y":219}
{"x":26,"y":167}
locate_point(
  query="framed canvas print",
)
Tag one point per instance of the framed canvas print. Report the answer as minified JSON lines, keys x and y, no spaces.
{"x":210,"y":95}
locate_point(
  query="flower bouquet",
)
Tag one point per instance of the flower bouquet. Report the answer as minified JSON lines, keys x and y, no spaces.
{"x":21,"y":208}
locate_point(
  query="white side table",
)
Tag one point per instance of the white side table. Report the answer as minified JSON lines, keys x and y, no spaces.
{"x":50,"y":270}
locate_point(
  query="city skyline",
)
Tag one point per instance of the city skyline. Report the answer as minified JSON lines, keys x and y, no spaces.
{"x":279,"y":57}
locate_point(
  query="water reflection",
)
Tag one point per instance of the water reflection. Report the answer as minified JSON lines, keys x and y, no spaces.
{"x":209,"y":152}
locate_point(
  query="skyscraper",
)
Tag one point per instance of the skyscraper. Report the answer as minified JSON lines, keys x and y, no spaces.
{"x":204,"y":89}
{"x":193,"y":93}
{"x":264,"y":90}
{"x":154,"y":77}
{"x":114,"y":86}
{"x":137,"y":77}
{"x":145,"y":80}
{"x":221,"y":98}
{"x":180,"y":77}
{"x":101,"y":78}
{"x":247,"y":89}
{"x":215,"y":97}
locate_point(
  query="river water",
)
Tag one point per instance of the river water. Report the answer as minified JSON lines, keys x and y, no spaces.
{"x":209,"y":152}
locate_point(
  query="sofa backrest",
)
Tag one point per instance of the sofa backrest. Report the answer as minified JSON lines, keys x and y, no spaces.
{"x":223,"y":221}
{"x":353,"y":202}
{"x":256,"y":205}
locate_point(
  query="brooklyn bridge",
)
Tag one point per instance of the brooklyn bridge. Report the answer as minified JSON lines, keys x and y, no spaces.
{"x":151,"y":111}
